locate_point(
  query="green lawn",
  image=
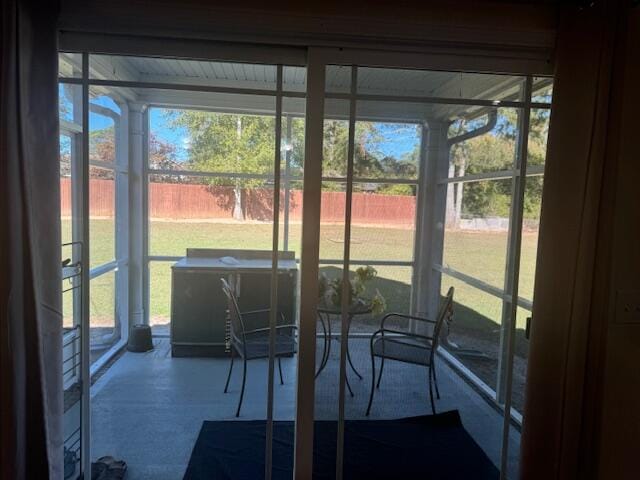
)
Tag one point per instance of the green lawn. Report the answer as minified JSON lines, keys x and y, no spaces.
{"x":481,"y":255}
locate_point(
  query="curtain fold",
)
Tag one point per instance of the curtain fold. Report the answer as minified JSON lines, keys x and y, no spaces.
{"x":564,"y":320}
{"x":31,"y":403}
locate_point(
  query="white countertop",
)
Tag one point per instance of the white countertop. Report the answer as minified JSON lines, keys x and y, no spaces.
{"x":243,"y":264}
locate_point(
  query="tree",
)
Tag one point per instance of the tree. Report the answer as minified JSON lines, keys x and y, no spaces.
{"x":102,"y":148}
{"x":491,"y":152}
{"x":226,"y":143}
{"x":163,"y":156}
{"x":369,"y":159}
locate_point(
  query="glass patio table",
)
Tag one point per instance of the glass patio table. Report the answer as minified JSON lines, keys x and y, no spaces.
{"x":325,"y":312}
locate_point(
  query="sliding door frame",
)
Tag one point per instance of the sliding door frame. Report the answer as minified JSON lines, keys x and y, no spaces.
{"x":318,"y":59}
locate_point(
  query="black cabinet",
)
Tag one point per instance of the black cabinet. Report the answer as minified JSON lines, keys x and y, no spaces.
{"x":199,"y":307}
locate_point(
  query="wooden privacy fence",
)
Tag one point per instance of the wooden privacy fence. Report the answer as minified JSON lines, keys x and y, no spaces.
{"x":178,"y":201}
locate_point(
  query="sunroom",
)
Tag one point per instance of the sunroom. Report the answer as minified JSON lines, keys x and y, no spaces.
{"x":414,"y":180}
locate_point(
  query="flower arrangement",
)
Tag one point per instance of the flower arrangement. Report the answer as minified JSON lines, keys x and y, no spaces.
{"x":331,"y":291}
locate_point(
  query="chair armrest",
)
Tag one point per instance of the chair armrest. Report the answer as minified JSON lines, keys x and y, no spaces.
{"x":266,"y":329}
{"x":382,"y":331}
{"x":255,"y":312}
{"x":403,"y":315}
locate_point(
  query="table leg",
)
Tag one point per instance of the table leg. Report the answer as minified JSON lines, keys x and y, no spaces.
{"x":326,"y":348}
{"x":348,"y":352}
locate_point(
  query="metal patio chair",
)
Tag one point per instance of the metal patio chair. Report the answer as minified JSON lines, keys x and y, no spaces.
{"x":408,"y":347}
{"x":253,"y":344}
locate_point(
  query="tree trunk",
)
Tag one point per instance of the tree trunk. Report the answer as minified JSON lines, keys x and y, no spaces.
{"x":238,"y":214}
{"x":450,"y":208}
{"x":459,"y":192}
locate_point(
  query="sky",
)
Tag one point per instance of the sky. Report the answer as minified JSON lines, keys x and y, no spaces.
{"x":398,"y":139}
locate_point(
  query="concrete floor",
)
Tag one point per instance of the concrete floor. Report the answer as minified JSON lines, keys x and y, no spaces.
{"x":147,"y":409}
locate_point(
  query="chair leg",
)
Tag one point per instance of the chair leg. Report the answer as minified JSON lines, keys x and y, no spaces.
{"x":244,"y":379}
{"x":351,"y":362}
{"x":226,"y":386}
{"x":346,"y":380}
{"x":324,"y":346}
{"x":280,"y":370}
{"x":373,"y":383}
{"x":380,"y":374}
{"x":435,"y":380}
{"x":433,"y":407}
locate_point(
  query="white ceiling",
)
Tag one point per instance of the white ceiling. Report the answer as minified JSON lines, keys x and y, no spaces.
{"x":371,"y":81}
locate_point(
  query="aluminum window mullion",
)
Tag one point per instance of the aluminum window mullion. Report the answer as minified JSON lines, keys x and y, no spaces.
{"x":266,"y":176}
{"x":346,"y":290}
{"x":533,"y":171}
{"x":482,"y":286}
{"x":69,"y":128}
{"x":440,"y":100}
{"x":517,"y":250}
{"x":103,"y":164}
{"x":199,"y":173}
{"x":294,"y":94}
{"x":85,"y":407}
{"x":383,"y":181}
{"x":71,"y":80}
{"x":146,"y":274}
{"x":476,"y":177}
{"x":472,"y":281}
{"x":274,"y":276}
{"x":224,"y":110}
{"x":287,"y":183}
{"x":187,"y":87}
{"x":390,"y":263}
{"x":420,"y":229}
{"x":102,"y":269}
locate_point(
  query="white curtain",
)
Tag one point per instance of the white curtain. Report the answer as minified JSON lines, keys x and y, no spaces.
{"x":30,"y":288}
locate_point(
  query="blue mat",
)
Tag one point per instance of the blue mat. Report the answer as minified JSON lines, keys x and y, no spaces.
{"x":426,"y":447}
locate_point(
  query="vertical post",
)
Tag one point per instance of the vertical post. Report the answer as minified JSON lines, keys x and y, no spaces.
{"x":137,"y":225}
{"x":85,"y":425}
{"x":303,"y":454}
{"x":422,"y":233}
{"x":287,"y":182}
{"x":346,"y":287}
{"x":273,"y":313}
{"x":432,"y":221}
{"x":515,"y":247}
{"x":146,"y":278}
{"x":513,"y":252}
{"x":77,"y":205}
{"x":121,"y":128}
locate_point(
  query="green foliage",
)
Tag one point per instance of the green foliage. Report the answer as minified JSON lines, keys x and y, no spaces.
{"x":369,"y":160}
{"x":496,"y":151}
{"x":229,"y":143}
{"x":487,"y":199}
{"x":397,"y":189}
{"x":245,"y":144}
{"x":330,"y":290}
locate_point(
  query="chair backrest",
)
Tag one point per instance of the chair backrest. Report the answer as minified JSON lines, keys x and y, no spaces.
{"x":445,"y":313}
{"x":237,"y":325}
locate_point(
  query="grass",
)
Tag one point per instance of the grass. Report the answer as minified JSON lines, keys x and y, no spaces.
{"x":481,"y":255}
